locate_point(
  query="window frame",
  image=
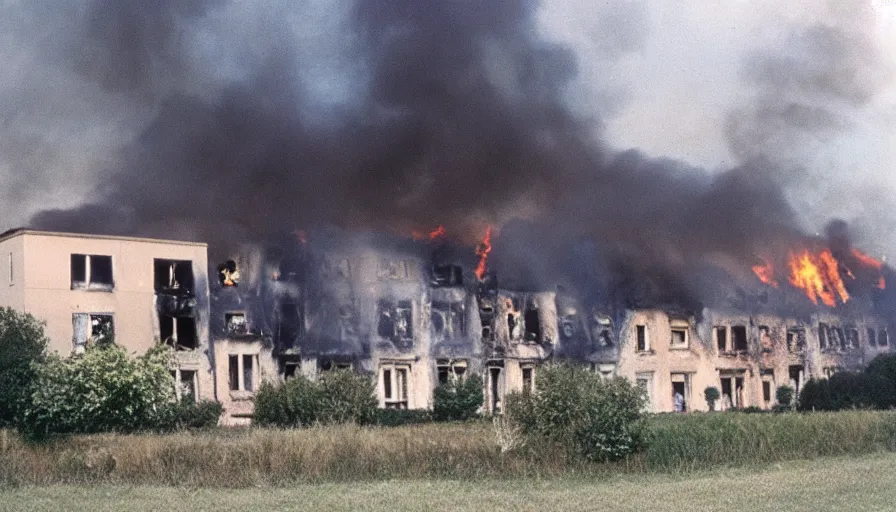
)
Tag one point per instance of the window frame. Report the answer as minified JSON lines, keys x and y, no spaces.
{"x":88,"y":284}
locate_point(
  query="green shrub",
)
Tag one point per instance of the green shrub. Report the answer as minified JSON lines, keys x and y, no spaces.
{"x":458,"y":399}
{"x":784,"y":397}
{"x":22,"y":341}
{"x":401,"y":417}
{"x":593,"y":418}
{"x":711,"y":394}
{"x":102,"y":390}
{"x":189,"y":414}
{"x":338,"y":397}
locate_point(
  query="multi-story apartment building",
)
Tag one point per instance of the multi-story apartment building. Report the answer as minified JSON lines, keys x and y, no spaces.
{"x":137,"y":292}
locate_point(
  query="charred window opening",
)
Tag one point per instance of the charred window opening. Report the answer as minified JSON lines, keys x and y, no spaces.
{"x":92,"y":329}
{"x":838,"y":339}
{"x":329,"y":365}
{"x":394,"y":381}
{"x":291,"y":327}
{"x":872,"y":337}
{"x":605,"y":338}
{"x":823,"y":336}
{"x":290,"y":370}
{"x":336,"y":268}
{"x":186,"y":384}
{"x":739,"y":338}
{"x":796,"y":375}
{"x":722,"y":338}
{"x":450,"y":370}
{"x":447,"y":275}
{"x":392,"y":269}
{"x":765,"y":339}
{"x":528,"y":371}
{"x":447,"y":319}
{"x":883,"y":338}
{"x":228,"y":273}
{"x":796,"y":340}
{"x":679,"y":337}
{"x":568,"y":325}
{"x":768,"y":384}
{"x":91,"y":272}
{"x":514,"y":319}
{"x":486,"y":333}
{"x":852,"y":337}
{"x":494,"y":388}
{"x":178,"y":332}
{"x":533,"y":325}
{"x":236,"y":324}
{"x":395,"y":322}
{"x":732,"y":384}
{"x":642,"y":342}
{"x":173,"y":275}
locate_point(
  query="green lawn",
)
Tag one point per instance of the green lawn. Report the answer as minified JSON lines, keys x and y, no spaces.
{"x":846,"y":483}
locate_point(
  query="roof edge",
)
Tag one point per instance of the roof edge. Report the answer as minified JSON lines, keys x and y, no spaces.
{"x":12,"y":233}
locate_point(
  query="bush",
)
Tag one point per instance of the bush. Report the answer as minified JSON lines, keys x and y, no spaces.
{"x":401,"y":417}
{"x":22,"y":341}
{"x":784,"y":397}
{"x":338,"y":397}
{"x":593,"y":418}
{"x":188,"y":414}
{"x":102,"y":390}
{"x":711,"y":394}
{"x":458,"y":399}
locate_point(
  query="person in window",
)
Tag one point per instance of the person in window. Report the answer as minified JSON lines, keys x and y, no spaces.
{"x":678,"y":400}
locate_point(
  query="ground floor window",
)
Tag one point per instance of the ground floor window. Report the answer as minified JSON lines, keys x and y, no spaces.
{"x":242,"y":370}
{"x":394,"y":384}
{"x":185,"y":384}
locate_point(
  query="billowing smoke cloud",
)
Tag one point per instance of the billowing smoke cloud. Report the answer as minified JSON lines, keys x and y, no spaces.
{"x":401,"y":114}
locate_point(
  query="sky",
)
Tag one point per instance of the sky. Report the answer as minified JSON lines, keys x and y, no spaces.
{"x":805,"y":88}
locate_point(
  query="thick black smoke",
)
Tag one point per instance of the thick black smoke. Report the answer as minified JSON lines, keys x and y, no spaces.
{"x":448,"y":112}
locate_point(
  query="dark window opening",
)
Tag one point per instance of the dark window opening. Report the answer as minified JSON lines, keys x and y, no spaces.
{"x":533,"y":325}
{"x":605,"y":340}
{"x":290,"y":370}
{"x":766,"y":391}
{"x":528,"y":382}
{"x":852,"y":337}
{"x":642,"y":345}
{"x":883,"y":338}
{"x":822,"y":336}
{"x":487,"y":333}
{"x":442,"y":374}
{"x":722,"y":338}
{"x":838,"y":338}
{"x":234,"y":371}
{"x":387,"y":384}
{"x":236,"y":324}
{"x":173,"y":275}
{"x":79,"y":269}
{"x":188,"y":385}
{"x":494,"y":388}
{"x":796,"y":340}
{"x":679,"y":388}
{"x":739,"y":337}
{"x":101,"y":270}
{"x":248,"y":372}
{"x":102,"y":329}
{"x":166,"y":329}
{"x":385,"y":324}
{"x":228,"y":273}
{"x":447,"y":275}
{"x":404,"y":321}
{"x":872,"y":337}
{"x":291,"y":326}
{"x":186,"y":333}
{"x":795,"y":374}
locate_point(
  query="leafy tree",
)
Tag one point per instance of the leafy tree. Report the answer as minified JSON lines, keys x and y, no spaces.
{"x":711,"y":394}
{"x":784,"y":397}
{"x":22,"y":341}
{"x":101,"y":390}
{"x":594,"y":418}
{"x":458,"y":399}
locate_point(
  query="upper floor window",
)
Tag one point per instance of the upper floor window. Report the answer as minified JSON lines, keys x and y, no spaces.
{"x":173,"y":275}
{"x":91,"y":272}
{"x":679,"y":334}
{"x":642,"y":340}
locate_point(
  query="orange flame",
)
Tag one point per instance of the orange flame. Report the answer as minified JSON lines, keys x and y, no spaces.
{"x":482,"y":251}
{"x":439,"y":232}
{"x":870,"y":262}
{"x":818,"y":275}
{"x":766,"y":273}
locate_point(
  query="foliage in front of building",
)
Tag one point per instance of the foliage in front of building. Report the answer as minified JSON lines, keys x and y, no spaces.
{"x":106,"y":390}
{"x":22,"y":342}
{"x":595,"y":418}
{"x":458,"y":399}
{"x":873,"y":388}
{"x":337,"y":397}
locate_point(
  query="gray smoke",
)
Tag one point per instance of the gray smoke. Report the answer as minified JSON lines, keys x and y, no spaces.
{"x":402,"y":114}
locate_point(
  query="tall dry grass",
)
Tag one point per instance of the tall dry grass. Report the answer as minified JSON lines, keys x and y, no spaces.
{"x":247,"y":457}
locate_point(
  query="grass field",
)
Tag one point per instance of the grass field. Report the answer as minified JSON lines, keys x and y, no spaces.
{"x":842,"y":483}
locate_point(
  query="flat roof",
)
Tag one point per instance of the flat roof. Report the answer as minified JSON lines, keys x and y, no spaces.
{"x":12,"y":233}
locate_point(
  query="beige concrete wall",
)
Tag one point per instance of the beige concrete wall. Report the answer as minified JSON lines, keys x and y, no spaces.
{"x":239,"y":404}
{"x":12,"y":284}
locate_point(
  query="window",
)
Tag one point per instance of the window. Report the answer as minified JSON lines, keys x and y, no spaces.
{"x":447,"y":320}
{"x":528,"y":371}
{"x":185,"y":384}
{"x":173,"y":275}
{"x":796,"y":339}
{"x":495,"y":385}
{"x":732,"y":386}
{"x":739,"y":338}
{"x":681,"y":384}
{"x":92,"y":328}
{"x":606,"y":371}
{"x":883,"y":338}
{"x":396,"y":322}
{"x":291,"y":369}
{"x":236,"y":324}
{"x":178,"y":332}
{"x":796,"y":374}
{"x":872,"y":337}
{"x":768,"y":386}
{"x":329,"y":365}
{"x":533,"y":325}
{"x":822,"y":336}
{"x":242,"y":371}
{"x":838,"y":338}
{"x":679,"y":335}
{"x":447,"y":275}
{"x":392,"y":269}
{"x":643,"y":344}
{"x":722,"y":338}
{"x":229,"y":274}
{"x":645,"y":382}
{"x":852,"y":337}
{"x":12,"y":280}
{"x":394,"y":385}
{"x":449,"y":370}
{"x":91,"y":272}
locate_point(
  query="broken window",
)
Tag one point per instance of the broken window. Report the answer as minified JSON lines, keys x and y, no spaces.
{"x":796,"y":375}
{"x":883,"y":338}
{"x":329,"y":365}
{"x":173,"y":275}
{"x":336,"y":268}
{"x":179,"y":332}
{"x":392,"y":269}
{"x":829,"y":371}
{"x":765,"y":339}
{"x":236,"y":324}
{"x":242,"y":371}
{"x":449,"y":370}
{"x":644,"y":381}
{"x":768,"y":384}
{"x":514,"y":319}
{"x":605,"y":338}
{"x":228,"y":273}
{"x":722,"y":338}
{"x":732,"y":386}
{"x":396,"y":322}
{"x":838,"y":339}
{"x":394,"y":381}
{"x":528,"y":371}
{"x":403,"y":321}
{"x":91,"y":272}
{"x":495,"y":385}
{"x":681,"y":383}
{"x":872,"y":337}
{"x":290,"y":326}
{"x":290,"y":370}
{"x":643,"y":343}
{"x":679,"y":332}
{"x":94,"y":329}
{"x":447,"y":275}
{"x":447,"y":319}
{"x":739,"y":338}
{"x":823,"y":336}
{"x":852,"y":337}
{"x":796,"y":339}
{"x":533,"y":325}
